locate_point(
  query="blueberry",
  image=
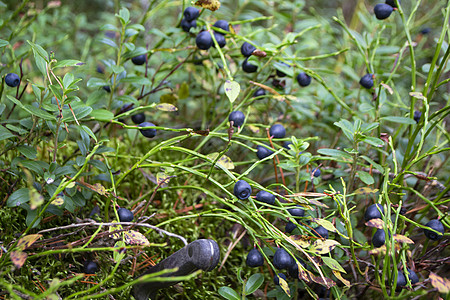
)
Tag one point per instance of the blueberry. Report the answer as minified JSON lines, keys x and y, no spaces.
{"x":254,"y":258}
{"x":401,"y":280}
{"x":436,"y":225}
{"x":262,"y":152}
{"x":287,"y":144}
{"x":247,"y":49}
{"x":222,"y":24}
{"x":366,"y":81}
{"x":412,"y":276}
{"x":382,"y":11}
{"x":320,"y":232}
{"x":138,"y":118}
{"x":378,"y":238}
{"x":290,"y":226}
{"x":237,"y":117}
{"x":220,"y":38}
{"x":372,"y":212}
{"x":204,"y":40}
{"x":417,"y":116}
{"x":303,"y":79}
{"x":265,"y":197}
{"x":277,"y":131}
{"x":276,"y":279}
{"x":107,"y":88}
{"x":282,"y":259}
{"x":242,"y":189}
{"x":248,"y":67}
{"x":150,"y":133}
{"x":425,"y":30}
{"x":297,"y":212}
{"x":139,"y":60}
{"x":125,"y":215}
{"x":191,"y":13}
{"x":316,"y":172}
{"x":100,"y":69}
{"x":90,"y":267}
{"x":12,"y":80}
{"x":187,"y":25}
{"x":392,"y":3}
{"x":280,"y":73}
{"x":259,"y":92}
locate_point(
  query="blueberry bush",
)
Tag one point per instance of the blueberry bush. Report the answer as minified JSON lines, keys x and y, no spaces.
{"x":310,"y":139}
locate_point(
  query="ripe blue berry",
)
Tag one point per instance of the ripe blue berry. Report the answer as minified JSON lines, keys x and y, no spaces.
{"x":248,"y":67}
{"x":290,"y":226}
{"x":316,"y":172}
{"x":378,"y":238}
{"x":417,"y":116}
{"x":265,"y":197}
{"x":254,"y":258}
{"x":320,"y":232}
{"x":372,"y":212}
{"x":187,"y":25}
{"x":138,"y":118}
{"x":90,"y":267}
{"x":247,"y":49}
{"x":204,"y":40}
{"x":220,"y":39}
{"x":297,"y":211}
{"x":222,"y":24}
{"x":12,"y":80}
{"x":125,"y":215}
{"x":282,"y":259}
{"x":276,"y":279}
{"x":392,"y":3}
{"x":242,"y":189}
{"x":293,"y":269}
{"x":277,"y":131}
{"x":191,"y":13}
{"x":401,"y":280}
{"x":139,"y":60}
{"x":151,"y":132}
{"x":382,"y":11}
{"x":259,"y":92}
{"x":107,"y":88}
{"x":262,"y":152}
{"x":237,"y":117}
{"x":281,"y":73}
{"x":366,"y":81}
{"x":436,"y":225}
{"x":412,"y":276}
{"x":303,"y":79}
{"x":287,"y":144}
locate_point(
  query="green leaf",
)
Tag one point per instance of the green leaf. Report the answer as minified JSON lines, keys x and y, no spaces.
{"x":365,"y":177}
{"x":228,"y":293}
{"x":3,"y":43}
{"x":67,"y":63}
{"x":96,"y":82}
{"x":183,"y":92}
{"x":102,"y":115}
{"x":332,"y":264}
{"x":347,"y":128}
{"x":232,"y":90}
{"x":18,"y":197}
{"x":124,"y":15}
{"x":108,"y":42}
{"x":38,"y":50}
{"x":373,"y":141}
{"x":27,"y":151}
{"x":253,"y":283}
{"x":334,"y":153}
{"x":284,"y":68}
{"x":5,"y":133}
{"x":402,"y":120}
{"x":31,"y":109}
{"x":89,"y":131}
{"x":136,"y":80}
{"x":67,"y":80}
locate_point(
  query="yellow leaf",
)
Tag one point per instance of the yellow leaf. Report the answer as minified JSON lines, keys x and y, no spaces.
{"x":59,"y":201}
{"x":379,"y":250}
{"x":284,"y":286}
{"x":135,"y":238}
{"x":325,"y":224}
{"x":27,"y":241}
{"x":323,"y":247}
{"x":377,"y":223}
{"x":366,"y":190}
{"x":114,"y":228}
{"x":166,"y":107}
{"x":441,"y":284}
{"x":18,"y":258}
{"x":339,"y":276}
{"x":301,"y":240}
{"x":253,"y":128}
{"x":327,"y":282}
{"x":402,"y":239}
{"x":36,"y":199}
{"x":212,"y":5}
{"x":224,"y":160}
{"x":333,"y":264}
{"x":99,"y":189}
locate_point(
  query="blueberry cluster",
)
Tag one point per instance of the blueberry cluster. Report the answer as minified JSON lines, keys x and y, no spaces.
{"x":204,"y":39}
{"x":189,"y":20}
{"x":384,"y":10}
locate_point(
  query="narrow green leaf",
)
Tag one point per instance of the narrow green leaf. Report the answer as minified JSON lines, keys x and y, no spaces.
{"x":102,"y":115}
{"x":253,"y":283}
{"x":402,"y":120}
{"x":67,"y":63}
{"x":5,"y":133}
{"x":334,"y":153}
{"x":18,"y":197}
{"x":27,"y":151}
{"x":365,"y":177}
{"x":333,"y":264}
{"x":228,"y":293}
